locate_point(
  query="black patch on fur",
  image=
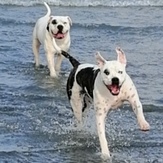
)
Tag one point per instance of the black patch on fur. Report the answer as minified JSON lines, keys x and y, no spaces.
{"x":70,"y":82}
{"x":72,"y":60}
{"x":85,"y":104}
{"x":47,"y":27}
{"x":106,"y":72}
{"x":54,"y":21}
{"x":86,"y":78}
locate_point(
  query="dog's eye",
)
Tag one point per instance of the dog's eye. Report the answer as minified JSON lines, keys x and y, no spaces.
{"x":106,"y":72}
{"x":120,"y":72}
{"x":54,"y":21}
{"x":64,"y":22}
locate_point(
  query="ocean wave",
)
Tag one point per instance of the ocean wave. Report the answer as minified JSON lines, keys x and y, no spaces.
{"x":78,"y":3}
{"x":10,"y":21}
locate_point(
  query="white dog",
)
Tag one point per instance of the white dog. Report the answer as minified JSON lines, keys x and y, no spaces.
{"x":54,"y":33}
{"x":106,"y":85}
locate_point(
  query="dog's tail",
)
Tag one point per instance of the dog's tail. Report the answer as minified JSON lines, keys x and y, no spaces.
{"x":48,"y":9}
{"x":72,"y":60}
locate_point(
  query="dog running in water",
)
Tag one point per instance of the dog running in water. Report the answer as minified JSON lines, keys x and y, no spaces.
{"x":105,"y":85}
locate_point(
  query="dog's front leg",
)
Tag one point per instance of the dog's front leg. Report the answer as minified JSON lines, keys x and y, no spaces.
{"x":138,"y":110}
{"x":50,"y":60}
{"x":101,"y":112}
{"x":58,"y":63}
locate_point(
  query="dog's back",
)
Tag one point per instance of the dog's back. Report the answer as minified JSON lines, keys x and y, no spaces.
{"x":84,"y":76}
{"x":41,"y":24}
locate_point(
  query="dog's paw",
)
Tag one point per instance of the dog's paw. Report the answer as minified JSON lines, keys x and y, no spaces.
{"x":53,"y":75}
{"x":105,"y":156}
{"x":144,"y":126}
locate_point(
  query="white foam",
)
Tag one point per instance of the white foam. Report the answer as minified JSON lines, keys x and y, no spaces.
{"x":115,"y":3}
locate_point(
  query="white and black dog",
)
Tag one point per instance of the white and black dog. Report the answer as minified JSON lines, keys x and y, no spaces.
{"x":54,"y":33}
{"x":106,"y":85}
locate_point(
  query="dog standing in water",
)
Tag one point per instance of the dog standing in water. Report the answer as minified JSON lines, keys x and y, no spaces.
{"x":106,"y":85}
{"x":54,"y":33}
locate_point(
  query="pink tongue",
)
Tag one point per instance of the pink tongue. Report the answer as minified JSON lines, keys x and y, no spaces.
{"x":114,"y":88}
{"x":59,"y":35}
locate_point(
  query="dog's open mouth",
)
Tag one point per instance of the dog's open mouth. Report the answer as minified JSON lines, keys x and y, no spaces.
{"x":114,"y":89}
{"x":59,"y":35}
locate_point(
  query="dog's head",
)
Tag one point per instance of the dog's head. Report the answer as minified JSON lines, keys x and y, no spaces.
{"x":113,"y":73}
{"x":59,"y":26}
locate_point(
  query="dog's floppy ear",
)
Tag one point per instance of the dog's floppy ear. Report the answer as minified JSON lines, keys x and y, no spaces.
{"x":69,"y":19}
{"x":121,"y":56}
{"x":47,"y":27}
{"x":100,"y":60}
{"x":49,"y":23}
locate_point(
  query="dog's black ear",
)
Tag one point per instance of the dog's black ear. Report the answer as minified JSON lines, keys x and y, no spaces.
{"x":47,"y":27}
{"x":50,"y":18}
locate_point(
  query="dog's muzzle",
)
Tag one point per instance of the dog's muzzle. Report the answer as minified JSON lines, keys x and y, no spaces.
{"x":59,"y":34}
{"x":114,"y":88}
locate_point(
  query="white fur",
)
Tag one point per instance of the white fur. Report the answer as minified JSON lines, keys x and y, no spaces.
{"x":104,"y":100}
{"x":52,"y":45}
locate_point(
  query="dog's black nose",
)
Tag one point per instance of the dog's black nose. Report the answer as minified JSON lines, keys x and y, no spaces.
{"x":115,"y":80}
{"x":60,"y":27}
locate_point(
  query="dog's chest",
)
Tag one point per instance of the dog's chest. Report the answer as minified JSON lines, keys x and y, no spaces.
{"x":63,"y":44}
{"x":117,"y":103}
{"x":104,"y":98}
{"x":118,"y":100}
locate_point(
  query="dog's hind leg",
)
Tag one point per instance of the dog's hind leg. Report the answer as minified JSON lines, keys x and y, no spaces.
{"x":76,"y":101}
{"x":36,"y":45}
{"x":87,"y":103}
